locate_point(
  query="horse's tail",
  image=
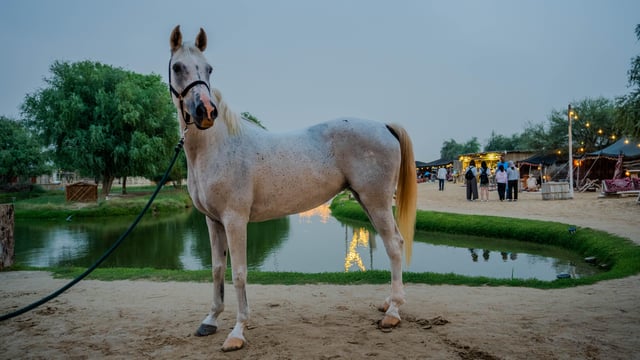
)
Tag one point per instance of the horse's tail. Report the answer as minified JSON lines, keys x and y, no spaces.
{"x":407,"y":190}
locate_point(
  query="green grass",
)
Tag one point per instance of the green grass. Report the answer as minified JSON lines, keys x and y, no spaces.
{"x":621,"y":256}
{"x":52,"y":204}
{"x":294,"y":278}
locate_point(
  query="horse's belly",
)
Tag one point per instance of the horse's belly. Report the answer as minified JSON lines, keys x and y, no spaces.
{"x":279,"y":199}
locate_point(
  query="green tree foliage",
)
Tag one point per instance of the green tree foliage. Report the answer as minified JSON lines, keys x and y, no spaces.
{"x":498,"y":142}
{"x":593,"y":129}
{"x":628,"y":106}
{"x":20,"y":152}
{"x":534,"y":137}
{"x":104,"y":122}
{"x":247,"y":115}
{"x":451,"y":149}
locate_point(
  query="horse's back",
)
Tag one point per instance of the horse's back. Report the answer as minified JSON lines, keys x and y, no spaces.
{"x":363,"y":149}
{"x":299,"y":170}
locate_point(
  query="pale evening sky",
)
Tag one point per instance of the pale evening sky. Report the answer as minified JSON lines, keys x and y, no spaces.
{"x":443,"y":69}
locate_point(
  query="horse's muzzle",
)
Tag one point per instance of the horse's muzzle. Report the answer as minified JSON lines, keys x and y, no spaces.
{"x":205,"y":114}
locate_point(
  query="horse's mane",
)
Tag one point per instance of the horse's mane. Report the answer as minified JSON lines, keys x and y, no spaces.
{"x":230,"y":118}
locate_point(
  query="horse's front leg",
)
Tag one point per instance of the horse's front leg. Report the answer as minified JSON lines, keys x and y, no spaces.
{"x":237,"y":242}
{"x":218,"y":240}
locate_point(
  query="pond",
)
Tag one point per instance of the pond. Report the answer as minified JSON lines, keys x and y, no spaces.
{"x":309,"y":242}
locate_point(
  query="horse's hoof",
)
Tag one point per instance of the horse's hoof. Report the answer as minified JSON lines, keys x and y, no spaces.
{"x":384,"y":307}
{"x":389,"y":322}
{"x":232,"y":344}
{"x":205,"y":330}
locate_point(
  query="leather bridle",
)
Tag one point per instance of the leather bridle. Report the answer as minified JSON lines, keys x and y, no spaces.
{"x":180,"y":95}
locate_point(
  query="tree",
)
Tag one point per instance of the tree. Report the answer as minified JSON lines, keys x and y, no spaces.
{"x":593,"y":129}
{"x":595,"y":126}
{"x":500,"y":143}
{"x":535,"y":136}
{"x":451,"y":149}
{"x":104,"y":122}
{"x":247,"y":115}
{"x":20,"y":152}
{"x":628,"y":106}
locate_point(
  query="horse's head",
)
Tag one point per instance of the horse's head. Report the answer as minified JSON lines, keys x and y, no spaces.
{"x":189,"y":80}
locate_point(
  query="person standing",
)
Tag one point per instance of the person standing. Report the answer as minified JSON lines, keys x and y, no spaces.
{"x":501,"y":181}
{"x":505,"y":166}
{"x":484,"y":181}
{"x":513,"y":177}
{"x":471,"y":175}
{"x":442,"y":177}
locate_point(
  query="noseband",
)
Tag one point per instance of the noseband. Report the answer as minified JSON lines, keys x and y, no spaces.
{"x":180,"y":96}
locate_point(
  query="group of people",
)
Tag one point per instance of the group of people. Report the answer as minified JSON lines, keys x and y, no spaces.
{"x":507,"y":177}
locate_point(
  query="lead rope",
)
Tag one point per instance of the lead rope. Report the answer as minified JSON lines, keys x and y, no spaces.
{"x":113,"y":247}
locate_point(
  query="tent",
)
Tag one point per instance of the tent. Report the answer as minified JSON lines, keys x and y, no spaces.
{"x":542,"y":160}
{"x":630,"y":150}
{"x":549,"y":166}
{"x":601,"y":164}
{"x":432,"y":166}
{"x":440,"y":162}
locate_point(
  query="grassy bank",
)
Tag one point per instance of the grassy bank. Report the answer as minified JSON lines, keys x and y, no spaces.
{"x":620,"y":255}
{"x":52,"y":204}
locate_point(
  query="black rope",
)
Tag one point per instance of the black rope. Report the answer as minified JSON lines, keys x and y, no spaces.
{"x":107,"y":253}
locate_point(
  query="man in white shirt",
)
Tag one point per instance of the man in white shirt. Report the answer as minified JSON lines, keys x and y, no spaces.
{"x":442,"y":176}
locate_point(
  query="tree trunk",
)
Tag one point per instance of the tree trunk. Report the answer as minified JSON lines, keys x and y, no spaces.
{"x":124,"y":185}
{"x":107,"y":182}
{"x":6,"y":236}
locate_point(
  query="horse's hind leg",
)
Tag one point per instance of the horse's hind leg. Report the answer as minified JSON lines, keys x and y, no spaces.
{"x":218,"y":240}
{"x":381,"y":216}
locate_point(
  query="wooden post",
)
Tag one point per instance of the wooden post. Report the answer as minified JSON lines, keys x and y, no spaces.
{"x":6,"y":236}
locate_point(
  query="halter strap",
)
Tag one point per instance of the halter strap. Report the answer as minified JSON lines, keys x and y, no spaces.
{"x":180,"y":96}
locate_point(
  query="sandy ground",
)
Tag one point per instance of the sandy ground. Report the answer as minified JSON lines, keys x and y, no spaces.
{"x":140,"y":319}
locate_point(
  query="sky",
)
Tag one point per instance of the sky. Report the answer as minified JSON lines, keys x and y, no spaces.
{"x":443,"y":69}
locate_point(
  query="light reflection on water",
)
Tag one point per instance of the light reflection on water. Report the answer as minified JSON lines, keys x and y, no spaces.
{"x":310,"y":242}
{"x":305,"y":251}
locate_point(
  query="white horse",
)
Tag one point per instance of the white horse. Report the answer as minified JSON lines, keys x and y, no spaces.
{"x":238,"y":172}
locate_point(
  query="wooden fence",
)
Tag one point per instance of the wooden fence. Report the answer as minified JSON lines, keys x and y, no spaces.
{"x":81,"y":192}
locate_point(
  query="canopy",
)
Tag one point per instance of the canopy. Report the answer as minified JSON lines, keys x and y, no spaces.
{"x":439,"y":162}
{"x":542,"y":159}
{"x":630,"y":150}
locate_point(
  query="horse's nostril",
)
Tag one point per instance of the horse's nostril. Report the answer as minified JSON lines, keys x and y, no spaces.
{"x":201,"y":111}
{"x":214,"y":112}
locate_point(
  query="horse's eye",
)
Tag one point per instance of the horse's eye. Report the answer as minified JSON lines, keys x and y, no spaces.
{"x":177,"y":67}
{"x":209,"y":69}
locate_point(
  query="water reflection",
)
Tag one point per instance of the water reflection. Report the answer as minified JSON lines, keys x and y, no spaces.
{"x":313,"y":241}
{"x":360,"y":238}
{"x":486,"y":254}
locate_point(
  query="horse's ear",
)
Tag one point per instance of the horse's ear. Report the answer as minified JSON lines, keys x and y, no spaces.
{"x":176,"y":39}
{"x":201,"y":40}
